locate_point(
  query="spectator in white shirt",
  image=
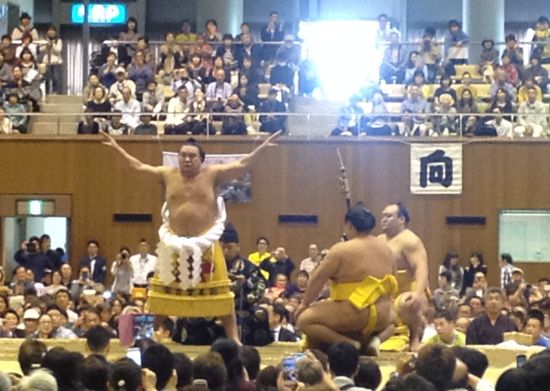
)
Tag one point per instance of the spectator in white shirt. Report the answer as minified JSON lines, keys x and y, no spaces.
{"x":502,"y":126}
{"x":532,"y":116}
{"x":143,"y":264}
{"x":219,"y":90}
{"x":178,"y":120}
{"x":182,"y":78}
{"x":309,"y":264}
{"x":53,"y":60}
{"x":130,"y":109}
{"x":115,"y":91}
{"x":25,"y":27}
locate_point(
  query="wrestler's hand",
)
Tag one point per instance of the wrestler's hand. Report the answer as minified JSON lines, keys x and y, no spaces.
{"x":417,"y":300}
{"x":299,"y":311}
{"x":270,"y":141}
{"x":108,"y":139}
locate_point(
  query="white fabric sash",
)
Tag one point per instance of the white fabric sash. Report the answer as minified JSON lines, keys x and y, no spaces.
{"x":186,"y":247}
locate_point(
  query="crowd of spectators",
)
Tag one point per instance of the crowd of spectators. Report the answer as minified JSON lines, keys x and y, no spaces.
{"x":30,"y":66}
{"x":268,"y":290}
{"x":228,"y":366}
{"x":44,"y":300}
{"x":441,"y":94}
{"x":195,"y":76}
{"x":268,"y":286}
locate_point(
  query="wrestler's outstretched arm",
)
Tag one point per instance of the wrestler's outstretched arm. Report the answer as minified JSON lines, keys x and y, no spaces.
{"x":234,"y":170}
{"x":132,"y":161}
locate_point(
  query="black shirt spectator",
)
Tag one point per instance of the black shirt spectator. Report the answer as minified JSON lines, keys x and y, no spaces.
{"x":282,"y":73}
{"x":100,"y":103}
{"x":483,"y":332}
{"x":282,"y":265}
{"x":487,"y":328}
{"x":88,"y":126}
{"x":246,"y":49}
{"x":272,"y":123}
{"x":272,"y":32}
{"x":32,"y":258}
{"x":96,"y":263}
{"x":146,"y":127}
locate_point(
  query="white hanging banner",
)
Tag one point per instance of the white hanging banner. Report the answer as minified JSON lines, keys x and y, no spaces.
{"x":436,"y":168}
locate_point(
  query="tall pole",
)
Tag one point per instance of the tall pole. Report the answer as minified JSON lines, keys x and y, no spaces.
{"x":483,"y":19}
{"x":85,"y":44}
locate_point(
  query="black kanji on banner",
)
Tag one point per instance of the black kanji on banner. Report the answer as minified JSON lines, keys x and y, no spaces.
{"x":436,"y":168}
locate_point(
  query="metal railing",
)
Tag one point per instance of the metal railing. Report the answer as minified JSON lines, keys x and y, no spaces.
{"x":513,"y":126}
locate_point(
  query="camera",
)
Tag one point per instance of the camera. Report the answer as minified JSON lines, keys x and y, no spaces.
{"x":255,"y":327}
{"x":31,"y":247}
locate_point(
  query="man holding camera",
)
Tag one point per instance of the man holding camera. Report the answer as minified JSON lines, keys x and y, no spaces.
{"x":35,"y":254}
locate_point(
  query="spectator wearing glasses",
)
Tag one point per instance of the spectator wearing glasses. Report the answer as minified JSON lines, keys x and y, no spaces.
{"x":478,"y":287}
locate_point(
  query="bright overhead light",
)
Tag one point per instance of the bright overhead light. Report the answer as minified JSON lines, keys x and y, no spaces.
{"x":344,"y":53}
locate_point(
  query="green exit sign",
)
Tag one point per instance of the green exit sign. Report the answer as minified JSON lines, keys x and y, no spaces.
{"x":35,"y":207}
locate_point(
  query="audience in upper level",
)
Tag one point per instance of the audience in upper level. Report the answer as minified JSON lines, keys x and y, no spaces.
{"x":197,"y":61}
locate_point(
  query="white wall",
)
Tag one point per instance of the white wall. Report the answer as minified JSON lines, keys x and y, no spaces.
{"x":525,"y":10}
{"x":11,"y":244}
{"x":359,"y":9}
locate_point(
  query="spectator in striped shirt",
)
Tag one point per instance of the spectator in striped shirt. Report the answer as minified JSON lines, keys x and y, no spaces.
{"x":505,"y":262}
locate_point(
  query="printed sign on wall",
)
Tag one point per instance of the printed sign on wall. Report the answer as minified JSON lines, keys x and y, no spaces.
{"x":436,"y":168}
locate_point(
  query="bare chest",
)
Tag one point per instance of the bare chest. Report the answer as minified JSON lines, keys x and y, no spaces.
{"x":180,"y":189}
{"x":401,"y":262}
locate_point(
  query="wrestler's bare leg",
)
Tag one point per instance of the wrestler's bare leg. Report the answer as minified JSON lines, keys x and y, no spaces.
{"x":321,"y":326}
{"x":230,"y":326}
{"x":386,"y":333}
{"x":411,"y":315}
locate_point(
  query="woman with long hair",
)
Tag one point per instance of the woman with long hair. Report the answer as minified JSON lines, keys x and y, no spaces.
{"x":450,"y":264}
{"x":476,"y":265}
